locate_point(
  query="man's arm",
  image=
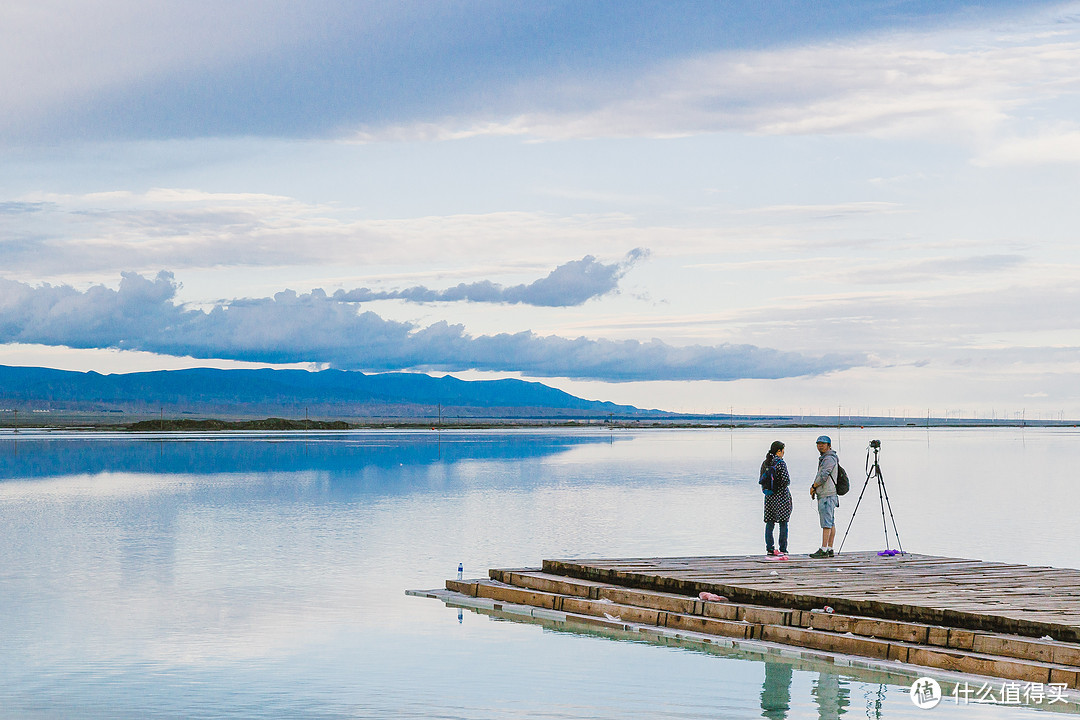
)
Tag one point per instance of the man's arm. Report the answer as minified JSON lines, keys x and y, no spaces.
{"x":825,"y":471}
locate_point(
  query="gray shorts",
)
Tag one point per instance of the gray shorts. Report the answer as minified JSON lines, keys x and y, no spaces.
{"x":826,"y":509}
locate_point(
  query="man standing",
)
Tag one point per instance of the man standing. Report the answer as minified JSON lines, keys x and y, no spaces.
{"x":824,"y":489}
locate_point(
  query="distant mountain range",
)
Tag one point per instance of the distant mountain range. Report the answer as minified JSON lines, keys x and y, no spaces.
{"x":292,"y":394}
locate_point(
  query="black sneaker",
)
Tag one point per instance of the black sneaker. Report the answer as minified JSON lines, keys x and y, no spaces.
{"x":819,"y":553}
{"x":831,"y":553}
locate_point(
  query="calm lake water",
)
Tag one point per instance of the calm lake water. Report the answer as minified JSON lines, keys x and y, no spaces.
{"x":263,"y":576}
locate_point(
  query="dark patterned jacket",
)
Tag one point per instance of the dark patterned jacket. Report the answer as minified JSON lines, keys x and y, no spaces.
{"x":778,"y":505}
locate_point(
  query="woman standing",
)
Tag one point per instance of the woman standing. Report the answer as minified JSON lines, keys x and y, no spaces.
{"x":778,"y":503}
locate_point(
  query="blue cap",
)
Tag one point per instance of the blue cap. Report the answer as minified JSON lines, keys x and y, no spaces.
{"x":824,"y":439}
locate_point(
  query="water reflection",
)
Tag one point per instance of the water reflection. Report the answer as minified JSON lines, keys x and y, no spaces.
{"x":792,"y":684}
{"x":875,"y":701}
{"x":43,"y":456}
{"x":829,"y":691}
{"x":776,"y":691}
{"x":831,"y":696}
{"x":262,"y":576}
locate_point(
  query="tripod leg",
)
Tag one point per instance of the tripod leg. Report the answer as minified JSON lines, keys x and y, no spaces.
{"x":881,"y":501}
{"x":857,"y":502}
{"x":891,"y":516}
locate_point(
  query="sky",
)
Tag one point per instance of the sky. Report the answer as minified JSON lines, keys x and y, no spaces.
{"x":863,"y":207}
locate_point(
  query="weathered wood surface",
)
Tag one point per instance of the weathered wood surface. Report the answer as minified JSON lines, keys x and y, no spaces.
{"x":975,"y":652}
{"x":920,"y":610}
{"x":950,"y":592}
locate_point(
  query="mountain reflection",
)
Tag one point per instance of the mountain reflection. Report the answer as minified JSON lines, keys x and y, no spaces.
{"x":344,"y":456}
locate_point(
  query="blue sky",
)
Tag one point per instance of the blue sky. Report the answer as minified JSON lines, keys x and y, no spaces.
{"x":776,"y":207}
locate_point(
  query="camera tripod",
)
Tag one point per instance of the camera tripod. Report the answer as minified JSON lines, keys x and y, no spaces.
{"x":874,"y":471}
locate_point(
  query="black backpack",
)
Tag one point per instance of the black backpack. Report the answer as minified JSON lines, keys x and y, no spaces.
{"x":842,"y":483}
{"x":767,"y":480}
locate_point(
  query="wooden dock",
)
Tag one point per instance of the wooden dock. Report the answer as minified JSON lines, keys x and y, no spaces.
{"x":982,"y":618}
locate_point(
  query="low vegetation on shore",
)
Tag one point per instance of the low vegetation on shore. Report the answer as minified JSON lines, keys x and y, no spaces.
{"x":264,"y":424}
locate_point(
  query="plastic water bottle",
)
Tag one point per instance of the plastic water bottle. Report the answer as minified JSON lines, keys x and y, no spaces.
{"x":460,"y":571}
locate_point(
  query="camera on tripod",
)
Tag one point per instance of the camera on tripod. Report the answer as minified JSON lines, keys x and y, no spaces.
{"x":876,"y":444}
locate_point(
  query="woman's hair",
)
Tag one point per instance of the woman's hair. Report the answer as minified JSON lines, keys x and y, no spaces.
{"x":776,"y":447}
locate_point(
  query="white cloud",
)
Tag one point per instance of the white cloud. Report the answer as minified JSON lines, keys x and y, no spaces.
{"x":1007,"y":320}
{"x":935,"y":268}
{"x":290,"y":328}
{"x":120,"y":361}
{"x":572,"y":283}
{"x":826,"y":210}
{"x":906,"y":323}
{"x":1049,"y":148}
{"x":970,"y":87}
{"x":48,"y":236}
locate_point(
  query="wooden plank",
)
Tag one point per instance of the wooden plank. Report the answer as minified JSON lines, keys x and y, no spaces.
{"x":516,"y":595}
{"x":712,"y":626}
{"x":868,"y":627}
{"x":821,"y":640}
{"x":1014,"y":647}
{"x":623,"y":613}
{"x":465,"y":587}
{"x":1068,"y":676}
{"x":722,"y":611}
{"x":659,"y":601}
{"x":760,"y":615}
{"x":1066,"y":655}
{"x":961,"y":593}
{"x":958,"y":614}
{"x":979,"y":665}
{"x":553,"y":583}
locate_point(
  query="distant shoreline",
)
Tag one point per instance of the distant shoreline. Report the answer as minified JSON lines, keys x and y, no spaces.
{"x":98,"y":424}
